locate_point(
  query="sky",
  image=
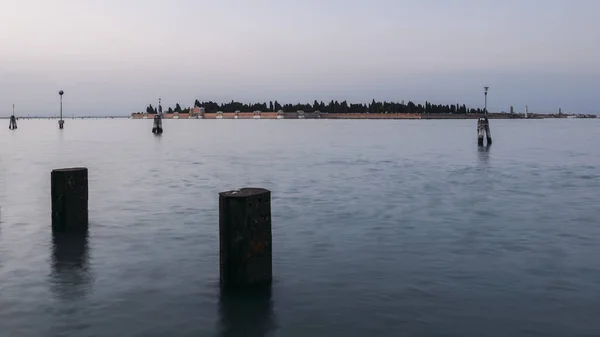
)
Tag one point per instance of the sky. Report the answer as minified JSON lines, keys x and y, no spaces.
{"x":114,"y":57}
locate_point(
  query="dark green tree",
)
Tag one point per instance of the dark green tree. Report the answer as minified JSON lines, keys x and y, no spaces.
{"x":331,"y":107}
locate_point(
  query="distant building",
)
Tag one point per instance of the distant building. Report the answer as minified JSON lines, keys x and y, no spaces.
{"x":196,"y":112}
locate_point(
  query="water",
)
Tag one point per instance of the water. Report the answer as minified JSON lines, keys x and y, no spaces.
{"x":380,"y":228}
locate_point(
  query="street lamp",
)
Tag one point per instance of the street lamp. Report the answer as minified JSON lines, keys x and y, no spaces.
{"x":485,"y":106}
{"x":61,"y":122}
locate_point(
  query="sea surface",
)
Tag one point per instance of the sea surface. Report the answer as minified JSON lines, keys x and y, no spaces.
{"x":380,"y":228}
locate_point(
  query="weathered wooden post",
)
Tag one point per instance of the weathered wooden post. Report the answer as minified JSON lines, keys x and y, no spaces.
{"x":70,"y":199}
{"x":245,"y":237}
{"x":157,"y":128}
{"x":12,"y":124}
{"x":483,"y":129}
{"x":480,"y":131}
{"x":488,"y":134}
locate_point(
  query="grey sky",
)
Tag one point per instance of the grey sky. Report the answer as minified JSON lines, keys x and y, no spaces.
{"x":115,"y":56}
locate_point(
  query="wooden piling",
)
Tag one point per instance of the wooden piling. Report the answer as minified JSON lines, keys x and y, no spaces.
{"x":480,"y":132}
{"x":157,"y":128}
{"x":12,"y":124}
{"x":483,"y":129}
{"x":70,"y":199}
{"x":488,"y":134}
{"x":245,"y":237}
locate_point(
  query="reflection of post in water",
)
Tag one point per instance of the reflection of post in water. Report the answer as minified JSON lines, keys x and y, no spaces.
{"x":484,"y":152}
{"x":246,"y":312}
{"x":70,"y":271}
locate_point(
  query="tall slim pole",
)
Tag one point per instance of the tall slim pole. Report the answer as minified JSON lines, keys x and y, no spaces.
{"x":485,"y":105}
{"x":13,"y":109}
{"x":61,"y":122}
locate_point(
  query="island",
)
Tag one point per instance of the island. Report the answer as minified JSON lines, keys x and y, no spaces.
{"x":336,"y":110}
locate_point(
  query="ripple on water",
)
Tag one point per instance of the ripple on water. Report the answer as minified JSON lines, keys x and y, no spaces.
{"x":378,"y":229}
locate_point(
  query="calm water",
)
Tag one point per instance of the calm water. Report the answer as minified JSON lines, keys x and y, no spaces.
{"x":380,"y":228}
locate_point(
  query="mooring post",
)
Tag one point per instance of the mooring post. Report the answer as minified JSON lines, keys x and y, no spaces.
{"x":157,"y":128}
{"x":245,"y":237}
{"x":488,"y":134}
{"x":12,"y":125}
{"x":70,"y":199}
{"x":480,"y":131}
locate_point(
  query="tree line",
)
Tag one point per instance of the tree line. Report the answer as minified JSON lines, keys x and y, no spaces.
{"x":331,"y":107}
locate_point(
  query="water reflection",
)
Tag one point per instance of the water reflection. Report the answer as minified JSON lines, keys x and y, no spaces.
{"x":484,"y":153}
{"x":70,"y":275}
{"x":246,"y":312}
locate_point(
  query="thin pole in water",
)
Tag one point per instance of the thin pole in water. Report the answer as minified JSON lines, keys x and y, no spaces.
{"x":61,"y":122}
{"x":485,"y":104}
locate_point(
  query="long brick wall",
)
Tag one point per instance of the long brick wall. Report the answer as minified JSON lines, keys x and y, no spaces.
{"x":294,"y":115}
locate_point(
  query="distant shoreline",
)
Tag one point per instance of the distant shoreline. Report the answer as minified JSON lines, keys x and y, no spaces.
{"x":313,"y":115}
{"x":66,"y":118}
{"x":363,"y":116}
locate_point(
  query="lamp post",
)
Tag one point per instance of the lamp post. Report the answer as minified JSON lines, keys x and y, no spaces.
{"x":483,"y":125}
{"x":485,"y":104}
{"x":61,"y":122}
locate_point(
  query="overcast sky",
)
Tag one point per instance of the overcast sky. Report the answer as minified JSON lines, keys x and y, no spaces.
{"x":117,"y":56}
